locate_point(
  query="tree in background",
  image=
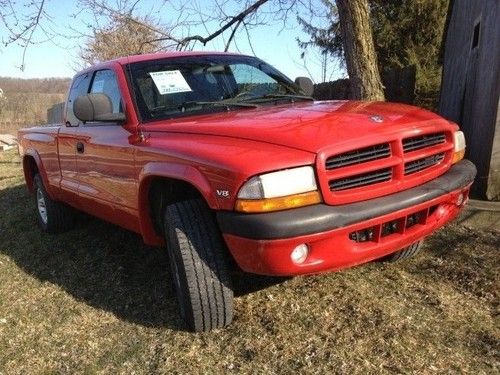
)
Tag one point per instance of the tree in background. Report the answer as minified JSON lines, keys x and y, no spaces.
{"x":3,"y":101}
{"x":348,"y":37}
{"x":361,"y":60}
{"x":410,"y":32}
{"x":22,"y":28}
{"x":123,"y":36}
{"x":405,"y":32}
{"x":359,"y":52}
{"x":109,"y":42}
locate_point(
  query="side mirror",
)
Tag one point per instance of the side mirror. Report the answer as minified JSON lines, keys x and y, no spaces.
{"x":305,"y":84}
{"x":96,"y":107}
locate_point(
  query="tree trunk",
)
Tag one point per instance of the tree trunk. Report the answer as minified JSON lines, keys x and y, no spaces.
{"x":359,"y":50}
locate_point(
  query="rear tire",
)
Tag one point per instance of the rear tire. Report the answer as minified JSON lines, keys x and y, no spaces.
{"x":53,"y":216}
{"x":199,"y":265}
{"x":405,"y":253}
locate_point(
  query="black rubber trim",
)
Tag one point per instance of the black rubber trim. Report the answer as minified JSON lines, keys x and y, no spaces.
{"x":321,"y":217}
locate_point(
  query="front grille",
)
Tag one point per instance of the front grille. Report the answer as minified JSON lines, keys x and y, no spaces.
{"x":380,"y":169}
{"x":423,"y":141}
{"x":359,"y":180}
{"x":361,"y":155}
{"x":424,"y":163}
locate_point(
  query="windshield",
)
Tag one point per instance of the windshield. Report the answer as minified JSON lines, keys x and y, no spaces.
{"x":180,"y":86}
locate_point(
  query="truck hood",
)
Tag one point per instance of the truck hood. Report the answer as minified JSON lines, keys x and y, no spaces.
{"x":307,"y":126}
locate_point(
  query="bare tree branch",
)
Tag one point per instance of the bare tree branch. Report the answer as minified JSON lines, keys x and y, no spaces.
{"x":32,"y":27}
{"x":249,"y":39}
{"x":189,"y":15}
{"x":232,"y":35}
{"x":236,"y":19}
{"x":22,"y":30}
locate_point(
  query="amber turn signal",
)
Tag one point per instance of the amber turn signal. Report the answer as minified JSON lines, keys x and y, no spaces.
{"x":278,"y":203}
{"x":459,"y":146}
{"x":457,"y":156}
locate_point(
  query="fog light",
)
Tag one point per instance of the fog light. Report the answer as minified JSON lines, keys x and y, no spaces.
{"x":300,"y":253}
{"x":460,"y":199}
{"x":390,"y":228}
{"x":363,"y":235}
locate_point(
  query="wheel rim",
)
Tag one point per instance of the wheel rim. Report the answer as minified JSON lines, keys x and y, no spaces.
{"x":42,"y":207}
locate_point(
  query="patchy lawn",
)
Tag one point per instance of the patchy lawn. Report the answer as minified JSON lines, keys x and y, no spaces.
{"x":95,"y":300}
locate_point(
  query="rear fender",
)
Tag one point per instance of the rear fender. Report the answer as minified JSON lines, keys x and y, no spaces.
{"x":29,"y":172}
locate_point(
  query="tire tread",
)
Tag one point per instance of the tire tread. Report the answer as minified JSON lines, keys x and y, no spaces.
{"x":206,"y":270}
{"x":405,"y":253}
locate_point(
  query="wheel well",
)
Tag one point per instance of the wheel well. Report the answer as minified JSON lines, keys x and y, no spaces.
{"x":30,"y":170}
{"x":164,"y":191}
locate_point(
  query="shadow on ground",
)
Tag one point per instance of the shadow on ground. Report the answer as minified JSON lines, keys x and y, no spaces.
{"x":480,"y":219}
{"x":100,"y":264}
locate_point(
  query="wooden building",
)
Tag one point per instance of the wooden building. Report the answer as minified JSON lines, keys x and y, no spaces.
{"x":55,"y":114}
{"x":471,"y":85}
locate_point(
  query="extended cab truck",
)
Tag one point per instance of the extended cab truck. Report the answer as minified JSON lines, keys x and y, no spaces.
{"x":228,"y":162}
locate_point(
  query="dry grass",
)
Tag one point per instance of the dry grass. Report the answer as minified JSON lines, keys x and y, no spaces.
{"x":95,"y":300}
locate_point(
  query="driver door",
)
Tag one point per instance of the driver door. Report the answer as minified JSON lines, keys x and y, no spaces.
{"x":105,"y":161}
{"x":67,"y":140}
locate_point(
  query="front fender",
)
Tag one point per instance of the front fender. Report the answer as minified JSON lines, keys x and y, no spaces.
{"x":176,"y":171}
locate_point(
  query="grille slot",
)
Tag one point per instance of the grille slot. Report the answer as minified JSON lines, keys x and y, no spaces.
{"x":359,"y":180}
{"x":358,"y":156}
{"x":424,"y":163}
{"x":423,"y":141}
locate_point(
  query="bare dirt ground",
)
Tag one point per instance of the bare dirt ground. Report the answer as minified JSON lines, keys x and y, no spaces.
{"x":95,"y":300}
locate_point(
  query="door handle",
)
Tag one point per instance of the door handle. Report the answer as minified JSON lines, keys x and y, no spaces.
{"x":80,"y":148}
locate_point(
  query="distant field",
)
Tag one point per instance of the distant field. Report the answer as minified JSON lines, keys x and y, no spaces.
{"x":26,"y":109}
{"x":95,"y":300}
{"x":25,"y":101}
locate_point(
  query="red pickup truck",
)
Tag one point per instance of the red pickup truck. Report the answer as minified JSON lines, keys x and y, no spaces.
{"x":229,"y":163}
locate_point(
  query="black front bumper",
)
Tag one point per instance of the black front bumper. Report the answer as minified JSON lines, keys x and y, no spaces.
{"x":321,"y":217}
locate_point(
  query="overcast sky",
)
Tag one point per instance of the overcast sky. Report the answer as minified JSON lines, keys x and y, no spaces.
{"x":58,"y":57}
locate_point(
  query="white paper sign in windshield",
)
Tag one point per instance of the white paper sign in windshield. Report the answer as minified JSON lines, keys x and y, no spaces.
{"x":170,"y":82}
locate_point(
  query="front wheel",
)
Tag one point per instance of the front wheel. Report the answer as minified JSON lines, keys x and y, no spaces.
{"x":199,"y":265}
{"x":404,"y":253}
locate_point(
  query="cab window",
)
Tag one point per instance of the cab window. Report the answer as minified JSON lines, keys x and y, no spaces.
{"x":79,"y":87}
{"x":105,"y":82}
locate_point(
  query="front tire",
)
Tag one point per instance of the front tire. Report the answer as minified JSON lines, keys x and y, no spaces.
{"x":199,"y":265}
{"x":53,"y":216}
{"x":405,"y":253}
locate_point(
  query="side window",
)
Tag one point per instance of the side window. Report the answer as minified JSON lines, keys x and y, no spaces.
{"x":79,"y":87}
{"x":105,"y":82}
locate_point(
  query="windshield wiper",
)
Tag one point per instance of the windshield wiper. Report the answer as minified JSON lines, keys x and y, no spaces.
{"x":266,"y":97}
{"x":227,"y":104}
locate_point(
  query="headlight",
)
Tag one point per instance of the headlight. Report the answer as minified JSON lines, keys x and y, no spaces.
{"x":459,"y":150}
{"x":280,"y":190}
